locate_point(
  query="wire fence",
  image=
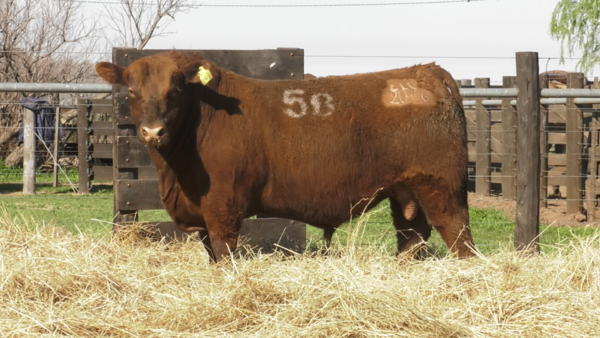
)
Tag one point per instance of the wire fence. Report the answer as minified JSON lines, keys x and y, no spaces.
{"x":552,"y":213}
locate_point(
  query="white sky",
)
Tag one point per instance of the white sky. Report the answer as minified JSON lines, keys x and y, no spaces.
{"x":495,"y":28}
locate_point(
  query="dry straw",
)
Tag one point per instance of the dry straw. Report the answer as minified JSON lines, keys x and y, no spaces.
{"x":56,"y":283}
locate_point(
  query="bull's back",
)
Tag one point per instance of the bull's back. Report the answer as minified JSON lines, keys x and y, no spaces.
{"x":330,"y":142}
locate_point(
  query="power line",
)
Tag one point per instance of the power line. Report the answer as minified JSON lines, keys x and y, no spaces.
{"x":352,"y":5}
{"x":46,"y":52}
{"x":433,"y":57}
{"x":307,"y":5}
{"x":410,"y":57}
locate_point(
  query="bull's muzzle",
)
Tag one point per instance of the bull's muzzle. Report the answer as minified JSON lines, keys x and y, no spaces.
{"x":154,"y":134}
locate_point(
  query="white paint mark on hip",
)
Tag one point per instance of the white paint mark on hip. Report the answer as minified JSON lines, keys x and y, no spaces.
{"x":404,"y":91}
{"x":395,"y":99}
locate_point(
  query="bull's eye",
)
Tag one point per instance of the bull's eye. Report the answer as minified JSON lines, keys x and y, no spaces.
{"x":130,"y":91}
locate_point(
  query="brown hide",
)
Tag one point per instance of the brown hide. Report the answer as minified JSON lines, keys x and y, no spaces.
{"x":317,"y":151}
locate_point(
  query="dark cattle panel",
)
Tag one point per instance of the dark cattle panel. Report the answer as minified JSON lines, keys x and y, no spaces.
{"x":138,"y":195}
{"x":228,"y":147}
{"x":285,"y":63}
{"x":269,"y":235}
{"x":136,"y":182}
{"x":93,"y":123}
{"x":132,"y":159}
{"x":266,"y":234}
{"x":132,"y":153}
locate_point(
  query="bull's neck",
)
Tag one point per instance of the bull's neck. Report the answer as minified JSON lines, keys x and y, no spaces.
{"x":180,"y":169}
{"x":217,"y":103}
{"x":179,"y":164}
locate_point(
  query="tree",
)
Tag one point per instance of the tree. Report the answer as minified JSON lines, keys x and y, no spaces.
{"x":576,"y":23}
{"x":55,"y":41}
{"x":135,"y":22}
{"x":41,"y":41}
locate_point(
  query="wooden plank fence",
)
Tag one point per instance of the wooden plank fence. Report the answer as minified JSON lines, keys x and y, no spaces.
{"x":564,"y":130}
{"x":569,"y":138}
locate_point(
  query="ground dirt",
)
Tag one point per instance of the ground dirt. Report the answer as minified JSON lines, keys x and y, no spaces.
{"x":555,"y":214}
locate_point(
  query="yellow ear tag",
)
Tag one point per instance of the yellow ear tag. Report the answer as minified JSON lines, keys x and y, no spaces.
{"x":204,"y":75}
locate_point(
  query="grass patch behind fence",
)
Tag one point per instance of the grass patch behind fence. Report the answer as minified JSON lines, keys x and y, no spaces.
{"x":53,"y":282}
{"x":492,"y":232}
{"x":91,"y":213}
{"x":15,"y":175}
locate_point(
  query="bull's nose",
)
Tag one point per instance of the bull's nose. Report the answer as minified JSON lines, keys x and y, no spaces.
{"x":153,"y":134}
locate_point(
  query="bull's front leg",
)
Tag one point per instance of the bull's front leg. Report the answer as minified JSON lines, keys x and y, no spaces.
{"x":202,"y":233}
{"x":223,"y":222}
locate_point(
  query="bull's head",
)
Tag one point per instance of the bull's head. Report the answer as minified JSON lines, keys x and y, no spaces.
{"x":159,"y":87}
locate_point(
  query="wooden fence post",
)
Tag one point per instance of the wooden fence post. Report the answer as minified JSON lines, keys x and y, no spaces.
{"x":28,"y":152}
{"x":483,"y":148}
{"x":120,"y":172}
{"x":590,"y":188}
{"x":528,"y":154}
{"x":56,"y":139}
{"x":574,"y":148}
{"x":82,"y":137}
{"x":509,"y":145}
{"x":544,"y":147}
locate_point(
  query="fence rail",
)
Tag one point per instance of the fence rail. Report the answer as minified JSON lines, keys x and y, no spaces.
{"x":55,"y":87}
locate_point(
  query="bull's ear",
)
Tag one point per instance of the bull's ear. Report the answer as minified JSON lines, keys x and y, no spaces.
{"x":198,"y":72}
{"x":111,"y":73}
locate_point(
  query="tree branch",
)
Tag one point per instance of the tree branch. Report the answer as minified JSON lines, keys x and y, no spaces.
{"x":141,"y":20}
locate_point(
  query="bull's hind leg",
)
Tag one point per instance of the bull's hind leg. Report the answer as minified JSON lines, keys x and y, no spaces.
{"x":411,"y":233}
{"x":328,"y":231}
{"x":447,"y":211}
{"x":328,"y":235}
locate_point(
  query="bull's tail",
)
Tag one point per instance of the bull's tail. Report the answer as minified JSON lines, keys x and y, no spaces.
{"x":447,"y":79}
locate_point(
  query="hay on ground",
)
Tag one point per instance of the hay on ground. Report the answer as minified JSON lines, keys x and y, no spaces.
{"x":53,"y":282}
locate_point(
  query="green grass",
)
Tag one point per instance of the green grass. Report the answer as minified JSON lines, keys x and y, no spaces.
{"x":90,"y":213}
{"x":93,"y":214}
{"x":492,"y":231}
{"x":61,"y":207}
{"x":15,"y":175}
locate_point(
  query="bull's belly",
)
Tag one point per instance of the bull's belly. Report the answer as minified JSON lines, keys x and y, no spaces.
{"x":321,"y":209}
{"x":184,"y":213}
